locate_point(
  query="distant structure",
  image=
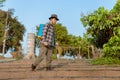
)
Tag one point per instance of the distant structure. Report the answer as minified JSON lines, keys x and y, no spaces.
{"x":30,"y":46}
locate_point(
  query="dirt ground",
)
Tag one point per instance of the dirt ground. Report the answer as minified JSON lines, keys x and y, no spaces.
{"x":61,"y":70}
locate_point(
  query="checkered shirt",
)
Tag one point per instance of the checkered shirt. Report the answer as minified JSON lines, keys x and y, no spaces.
{"x":48,"y":35}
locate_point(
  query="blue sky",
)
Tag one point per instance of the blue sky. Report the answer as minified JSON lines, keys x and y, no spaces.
{"x":33,"y":12}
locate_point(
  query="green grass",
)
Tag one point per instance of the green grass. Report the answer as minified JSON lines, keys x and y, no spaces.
{"x":105,"y":61}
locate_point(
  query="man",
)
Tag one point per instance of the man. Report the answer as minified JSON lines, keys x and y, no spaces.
{"x":47,"y":43}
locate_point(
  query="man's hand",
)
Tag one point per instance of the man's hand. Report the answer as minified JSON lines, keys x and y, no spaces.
{"x":45,"y":43}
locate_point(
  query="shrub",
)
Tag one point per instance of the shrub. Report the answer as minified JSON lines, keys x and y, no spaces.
{"x":112,"y":48}
{"x":105,"y":60}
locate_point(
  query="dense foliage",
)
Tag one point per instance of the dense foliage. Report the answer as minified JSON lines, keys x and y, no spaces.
{"x":103,"y":27}
{"x":15,"y":31}
{"x":100,"y":24}
{"x":112,"y":48}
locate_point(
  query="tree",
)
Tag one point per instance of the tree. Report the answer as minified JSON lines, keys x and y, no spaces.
{"x":60,"y":34}
{"x":116,"y":8}
{"x":112,"y":48}
{"x":15,"y":31}
{"x":103,"y":27}
{"x":100,"y":24}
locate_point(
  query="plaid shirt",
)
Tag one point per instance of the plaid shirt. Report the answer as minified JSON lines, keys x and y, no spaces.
{"x":48,"y":35}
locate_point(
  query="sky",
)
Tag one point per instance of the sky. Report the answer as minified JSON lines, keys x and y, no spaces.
{"x":34,"y":12}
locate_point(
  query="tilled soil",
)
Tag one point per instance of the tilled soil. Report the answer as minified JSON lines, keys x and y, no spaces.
{"x":61,"y":70}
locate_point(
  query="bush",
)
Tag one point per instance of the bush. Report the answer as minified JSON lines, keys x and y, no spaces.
{"x":112,"y":47}
{"x":106,"y":60}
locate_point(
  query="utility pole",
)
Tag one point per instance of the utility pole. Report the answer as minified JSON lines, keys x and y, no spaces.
{"x":5,"y":33}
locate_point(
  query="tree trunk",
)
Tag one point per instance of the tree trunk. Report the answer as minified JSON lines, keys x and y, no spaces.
{"x":88,"y":53}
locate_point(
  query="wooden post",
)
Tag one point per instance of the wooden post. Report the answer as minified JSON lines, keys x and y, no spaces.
{"x":93,"y":51}
{"x":88,"y":53}
{"x":78,"y":55}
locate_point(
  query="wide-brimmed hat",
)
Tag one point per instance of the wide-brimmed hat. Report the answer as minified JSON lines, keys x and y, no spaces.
{"x":54,"y":16}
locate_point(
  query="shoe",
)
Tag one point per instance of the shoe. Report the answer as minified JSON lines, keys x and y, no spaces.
{"x":33,"y":67}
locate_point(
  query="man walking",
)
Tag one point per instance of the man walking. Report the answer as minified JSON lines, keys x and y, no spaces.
{"x":47,"y":43}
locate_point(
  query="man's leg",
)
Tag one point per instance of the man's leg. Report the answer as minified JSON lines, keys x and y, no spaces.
{"x":48,"y":59}
{"x":43,"y":51}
